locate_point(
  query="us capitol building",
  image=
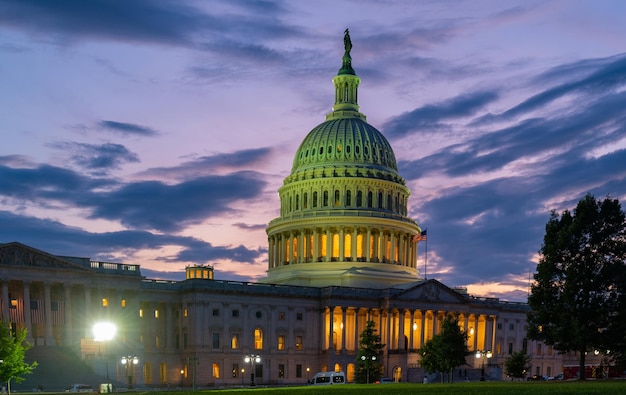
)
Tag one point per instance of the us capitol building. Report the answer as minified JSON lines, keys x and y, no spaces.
{"x":342,"y":252}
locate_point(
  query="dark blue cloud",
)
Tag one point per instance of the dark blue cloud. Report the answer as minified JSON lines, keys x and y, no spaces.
{"x":101,"y":157}
{"x":59,"y":239}
{"x":169,"y":208}
{"x":433,"y":117}
{"x":126,"y":129}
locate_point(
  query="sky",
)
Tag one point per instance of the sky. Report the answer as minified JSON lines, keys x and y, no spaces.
{"x":158,"y":132}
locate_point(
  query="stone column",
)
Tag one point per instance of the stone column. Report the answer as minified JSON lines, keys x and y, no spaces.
{"x":27,"y":316}
{"x":401,"y":322}
{"x":68,"y":324}
{"x":48,"y":314}
{"x":355,"y":235}
{"x":5,"y":301}
{"x":329,"y":245}
{"x":342,"y":252}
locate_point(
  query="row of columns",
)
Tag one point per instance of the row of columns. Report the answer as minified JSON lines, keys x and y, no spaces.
{"x":343,"y":327}
{"x":375,"y":246}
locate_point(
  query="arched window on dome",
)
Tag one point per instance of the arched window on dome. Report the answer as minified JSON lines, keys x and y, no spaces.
{"x":395,"y":204}
{"x":305,"y":200}
{"x":389,"y":207}
{"x":380,"y":199}
{"x":348,"y":198}
{"x":369,"y":199}
{"x":359,"y":198}
{"x":325,"y":201}
{"x":314,"y":199}
{"x":337,"y":199}
{"x":297,"y":202}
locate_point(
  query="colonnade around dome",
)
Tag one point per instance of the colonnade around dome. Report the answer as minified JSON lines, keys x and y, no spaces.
{"x":342,"y":244}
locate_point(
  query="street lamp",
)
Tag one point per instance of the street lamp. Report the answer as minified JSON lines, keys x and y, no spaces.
{"x":130,"y":362}
{"x":242,"y":373}
{"x":182,"y":376}
{"x":483,"y":354}
{"x":103,"y":332}
{"x":368,"y":361}
{"x":307,"y":375}
{"x":252,"y":360}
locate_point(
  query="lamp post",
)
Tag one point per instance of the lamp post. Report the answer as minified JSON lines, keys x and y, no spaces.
{"x":368,"y":361}
{"x":103,"y":332}
{"x":130,"y":362}
{"x":242,"y":373}
{"x":252,"y":360}
{"x":483,"y":354}
{"x":307,"y":375}
{"x":182,"y":376}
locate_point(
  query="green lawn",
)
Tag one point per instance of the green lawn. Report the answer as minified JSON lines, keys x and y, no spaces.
{"x":476,"y":388}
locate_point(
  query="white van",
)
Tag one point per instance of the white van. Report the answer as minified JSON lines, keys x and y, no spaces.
{"x":327,"y":378}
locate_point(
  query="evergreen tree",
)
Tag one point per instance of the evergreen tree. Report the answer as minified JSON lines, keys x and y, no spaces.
{"x":517,"y":365}
{"x":577,"y":301}
{"x":446,"y":350}
{"x":368,"y":360}
{"x":12,"y":350}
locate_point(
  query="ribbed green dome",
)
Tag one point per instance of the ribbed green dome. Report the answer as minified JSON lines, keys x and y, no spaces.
{"x":345,"y":144}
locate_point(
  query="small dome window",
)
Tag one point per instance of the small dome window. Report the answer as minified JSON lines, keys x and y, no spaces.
{"x":338,"y":147}
{"x":365,"y":151}
{"x":348,"y":149}
{"x":306,"y":155}
{"x":321,"y":150}
{"x":356,"y":149}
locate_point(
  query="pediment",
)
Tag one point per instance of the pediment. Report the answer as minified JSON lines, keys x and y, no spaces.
{"x":19,"y":255}
{"x":431,"y":291}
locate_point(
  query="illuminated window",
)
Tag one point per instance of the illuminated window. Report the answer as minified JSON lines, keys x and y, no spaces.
{"x":14,"y":303}
{"x":123,"y":303}
{"x":337,"y":200}
{"x":281,"y":342}
{"x":281,"y":370}
{"x":323,"y":245}
{"x":235,"y":370}
{"x":185,"y":312}
{"x":141,"y":313}
{"x":298,"y":342}
{"x":335,"y":245}
{"x":156,"y":313}
{"x":258,"y":339}
{"x":216,"y":370}
{"x":105,"y":302}
{"x":281,"y":315}
{"x":347,"y":245}
{"x":234,"y":342}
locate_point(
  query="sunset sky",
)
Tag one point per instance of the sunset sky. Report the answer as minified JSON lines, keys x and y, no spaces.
{"x":158,"y":132}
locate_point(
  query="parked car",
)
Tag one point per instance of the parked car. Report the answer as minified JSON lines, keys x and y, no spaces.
{"x":536,"y":377}
{"x":384,"y":380}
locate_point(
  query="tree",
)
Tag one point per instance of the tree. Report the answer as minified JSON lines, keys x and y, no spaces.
{"x":12,"y":350}
{"x":517,"y":365}
{"x":368,"y":362}
{"x":446,"y":350}
{"x":577,"y":299}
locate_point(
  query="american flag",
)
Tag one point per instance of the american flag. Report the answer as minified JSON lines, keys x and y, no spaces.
{"x":419,"y":237}
{"x":36,"y":311}
{"x":16,"y":310}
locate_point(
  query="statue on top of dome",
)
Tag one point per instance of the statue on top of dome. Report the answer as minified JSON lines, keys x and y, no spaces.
{"x":346,"y":67}
{"x":347,"y":43}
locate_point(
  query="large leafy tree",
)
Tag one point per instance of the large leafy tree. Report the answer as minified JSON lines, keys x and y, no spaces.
{"x":368,"y":363}
{"x":577,"y":299}
{"x":517,"y":365}
{"x":12,"y":349}
{"x":446,"y":350}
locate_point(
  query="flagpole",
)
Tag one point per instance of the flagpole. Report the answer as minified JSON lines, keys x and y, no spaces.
{"x":425,"y":258}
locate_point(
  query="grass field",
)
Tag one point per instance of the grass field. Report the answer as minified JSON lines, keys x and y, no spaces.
{"x":475,"y":388}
